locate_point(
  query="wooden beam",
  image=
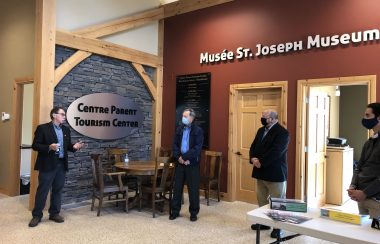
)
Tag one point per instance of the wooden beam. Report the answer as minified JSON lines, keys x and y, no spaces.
{"x":43,"y":74}
{"x":105,"y":29}
{"x":148,"y":82}
{"x":185,"y":6}
{"x":106,"y":48}
{"x":122,"y":24}
{"x":157,"y":104}
{"x":69,"y":64}
{"x":127,"y":23}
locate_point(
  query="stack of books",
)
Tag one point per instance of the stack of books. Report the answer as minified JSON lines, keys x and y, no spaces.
{"x":293,"y":205}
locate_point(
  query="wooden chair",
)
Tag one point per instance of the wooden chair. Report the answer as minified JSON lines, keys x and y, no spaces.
{"x":158,"y":187}
{"x":210,"y":174}
{"x":104,"y":186}
{"x":116,"y":155}
{"x":164,"y":154}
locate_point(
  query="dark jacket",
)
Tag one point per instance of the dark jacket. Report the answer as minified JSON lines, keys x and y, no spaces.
{"x":366,"y":176}
{"x":195,"y":144}
{"x":272,"y":153}
{"x":45,"y":135}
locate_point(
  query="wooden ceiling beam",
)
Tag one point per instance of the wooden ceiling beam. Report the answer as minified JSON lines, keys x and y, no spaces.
{"x":148,"y":82}
{"x":69,"y":64}
{"x":185,"y":6}
{"x":124,"y":24}
{"x":109,"y":49}
{"x":121,"y":24}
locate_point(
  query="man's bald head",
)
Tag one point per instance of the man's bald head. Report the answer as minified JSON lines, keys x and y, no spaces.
{"x":270,"y":113}
{"x":270,"y":116}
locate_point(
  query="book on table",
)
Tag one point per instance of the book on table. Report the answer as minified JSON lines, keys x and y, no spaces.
{"x":284,"y":204}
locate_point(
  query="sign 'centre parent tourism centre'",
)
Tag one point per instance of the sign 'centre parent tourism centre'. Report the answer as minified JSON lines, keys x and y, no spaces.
{"x":104,"y":116}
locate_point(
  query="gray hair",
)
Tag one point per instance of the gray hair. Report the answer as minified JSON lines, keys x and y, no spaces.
{"x":272,"y":113}
{"x":191,"y":112}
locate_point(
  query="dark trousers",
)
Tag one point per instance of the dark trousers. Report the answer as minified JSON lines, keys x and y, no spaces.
{"x":55,"y":181}
{"x":191,"y":175}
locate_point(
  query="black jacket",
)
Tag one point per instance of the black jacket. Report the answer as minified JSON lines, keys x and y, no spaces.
{"x":45,"y":135}
{"x":272,"y":152}
{"x":195,"y":144}
{"x":366,"y":176}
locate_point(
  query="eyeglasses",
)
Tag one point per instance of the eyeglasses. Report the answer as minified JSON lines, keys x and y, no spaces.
{"x":375,"y":224}
{"x":62,"y":114}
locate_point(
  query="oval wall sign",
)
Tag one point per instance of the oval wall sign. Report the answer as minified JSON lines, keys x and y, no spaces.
{"x":104,"y":116}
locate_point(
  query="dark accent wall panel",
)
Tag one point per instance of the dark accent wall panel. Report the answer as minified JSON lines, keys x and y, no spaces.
{"x":248,"y":23}
{"x":93,"y":75}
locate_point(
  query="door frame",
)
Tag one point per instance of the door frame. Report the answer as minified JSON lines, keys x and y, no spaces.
{"x":16,"y":132}
{"x":301,"y":130}
{"x":232,"y":133}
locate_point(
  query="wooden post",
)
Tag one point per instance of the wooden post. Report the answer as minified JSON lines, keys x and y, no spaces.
{"x":43,"y":74}
{"x":157,"y":104}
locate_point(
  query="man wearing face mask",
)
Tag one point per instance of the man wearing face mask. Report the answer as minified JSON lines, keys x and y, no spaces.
{"x":268,"y":154}
{"x":365,"y":183}
{"x":187,"y":147}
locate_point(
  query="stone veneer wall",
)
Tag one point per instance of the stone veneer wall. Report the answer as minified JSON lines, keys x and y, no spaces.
{"x":93,"y":75}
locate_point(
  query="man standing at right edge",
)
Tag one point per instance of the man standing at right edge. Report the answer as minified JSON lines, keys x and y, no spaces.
{"x":268,"y":154}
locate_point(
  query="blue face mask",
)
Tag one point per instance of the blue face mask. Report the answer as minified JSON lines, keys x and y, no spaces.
{"x":369,"y":123}
{"x":185,"y":121}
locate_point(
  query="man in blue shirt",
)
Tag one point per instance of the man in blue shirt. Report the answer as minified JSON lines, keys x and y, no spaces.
{"x":187,"y":147}
{"x":52,"y":141}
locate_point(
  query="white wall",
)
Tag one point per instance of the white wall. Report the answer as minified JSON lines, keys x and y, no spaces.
{"x":75,"y":14}
{"x":26,"y":155}
{"x":27,"y":115}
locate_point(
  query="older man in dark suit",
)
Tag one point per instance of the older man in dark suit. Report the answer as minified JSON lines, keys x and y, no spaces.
{"x":52,"y":141}
{"x":187,"y":147}
{"x":268,"y":154}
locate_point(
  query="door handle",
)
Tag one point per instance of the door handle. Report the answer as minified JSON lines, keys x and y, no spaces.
{"x":238,"y":153}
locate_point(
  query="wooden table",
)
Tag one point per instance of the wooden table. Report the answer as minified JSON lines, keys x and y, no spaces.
{"x":138,"y":169}
{"x":318,"y":227}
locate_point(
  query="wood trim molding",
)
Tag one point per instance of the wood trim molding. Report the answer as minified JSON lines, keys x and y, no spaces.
{"x":106,"y":48}
{"x":185,"y":6}
{"x":121,"y":24}
{"x":16,"y":124}
{"x":302,"y":91}
{"x":148,"y":82}
{"x":69,"y":64}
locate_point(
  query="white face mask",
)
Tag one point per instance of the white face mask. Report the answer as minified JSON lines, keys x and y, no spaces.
{"x":185,"y":121}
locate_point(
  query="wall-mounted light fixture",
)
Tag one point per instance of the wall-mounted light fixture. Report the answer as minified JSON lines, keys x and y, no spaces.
{"x":337,"y":91}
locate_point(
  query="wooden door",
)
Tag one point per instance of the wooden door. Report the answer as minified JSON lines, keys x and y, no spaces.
{"x":251,"y":103}
{"x":318,"y":130}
